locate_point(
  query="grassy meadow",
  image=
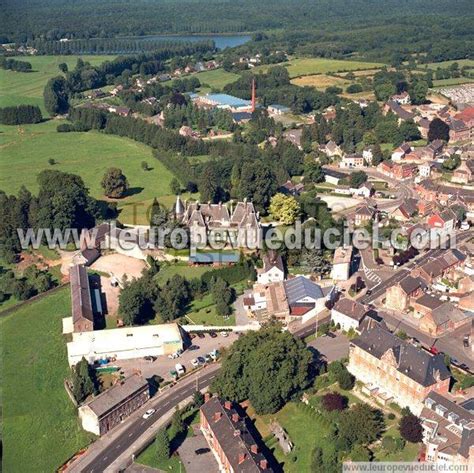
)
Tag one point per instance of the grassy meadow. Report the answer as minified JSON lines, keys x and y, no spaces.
{"x":38,"y":416}
{"x":320,"y":81}
{"x":216,"y":79}
{"x":27,"y":88}
{"x":452,"y":81}
{"x":25,"y":151}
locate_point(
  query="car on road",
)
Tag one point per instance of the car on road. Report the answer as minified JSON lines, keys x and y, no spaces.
{"x":148,"y":413}
{"x":195,"y":362}
{"x":369,"y":292}
{"x":179,"y":368}
{"x":202,"y":451}
{"x":193,"y":347}
{"x":213,"y":334}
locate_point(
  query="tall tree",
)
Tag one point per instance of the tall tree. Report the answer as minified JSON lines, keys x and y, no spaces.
{"x":438,"y":130}
{"x":114,"y":183}
{"x":56,"y":96}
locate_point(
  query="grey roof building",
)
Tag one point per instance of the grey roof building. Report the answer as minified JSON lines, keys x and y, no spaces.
{"x":81,"y":302}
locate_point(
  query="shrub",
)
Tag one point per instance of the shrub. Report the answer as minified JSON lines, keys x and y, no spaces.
{"x":334,"y":402}
{"x":391,"y":416}
{"x":411,"y":428}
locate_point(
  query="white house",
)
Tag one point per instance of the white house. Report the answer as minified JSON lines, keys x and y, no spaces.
{"x":400,"y":152}
{"x":273,"y":269}
{"x":368,"y":155}
{"x":341,"y":265}
{"x":348,"y":314}
{"x":352,"y":161}
{"x":366,"y":189}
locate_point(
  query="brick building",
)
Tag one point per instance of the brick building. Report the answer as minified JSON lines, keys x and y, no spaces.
{"x":399,"y":296}
{"x":232,"y":438}
{"x":81,"y":302}
{"x":394,"y":370}
{"x":111,"y":407}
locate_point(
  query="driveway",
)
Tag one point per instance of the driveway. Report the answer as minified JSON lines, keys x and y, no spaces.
{"x":241,"y":317}
{"x":332,"y":348}
{"x":119,"y":265}
{"x":197,"y":463}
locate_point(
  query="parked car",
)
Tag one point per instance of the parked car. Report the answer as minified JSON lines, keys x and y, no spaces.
{"x":224,"y":334}
{"x":213,"y":334}
{"x":149,"y":358}
{"x":172,"y":356}
{"x":207,"y":358}
{"x":465,"y":226}
{"x":201,"y":451}
{"x":214,"y":354}
{"x":465,"y":341}
{"x":195,"y":362}
{"x":179,"y":368}
{"x":201,"y":335}
{"x":201,"y":360}
{"x":148,"y":413}
{"x":193,"y":347}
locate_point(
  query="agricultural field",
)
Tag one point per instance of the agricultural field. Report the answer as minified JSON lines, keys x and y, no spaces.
{"x":307,"y":66}
{"x":216,"y":79}
{"x":88,"y":155}
{"x":27,"y":87}
{"x":444,"y":64}
{"x":452,"y":81}
{"x":38,"y":416}
{"x":320,"y":81}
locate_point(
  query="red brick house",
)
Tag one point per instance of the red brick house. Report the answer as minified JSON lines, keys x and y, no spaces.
{"x":231,"y":436}
{"x":399,"y":296}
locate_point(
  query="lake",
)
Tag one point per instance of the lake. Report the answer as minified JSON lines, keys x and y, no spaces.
{"x":222,"y":41}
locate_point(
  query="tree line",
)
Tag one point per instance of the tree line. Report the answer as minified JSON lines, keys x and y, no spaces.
{"x":15,"y":65}
{"x":21,"y":114}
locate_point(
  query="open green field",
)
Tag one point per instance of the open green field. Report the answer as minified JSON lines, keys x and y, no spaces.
{"x":27,"y":88}
{"x":217,"y":79}
{"x":307,"y":66}
{"x":25,"y":150}
{"x":452,"y":81}
{"x":444,"y":64}
{"x":38,"y":416}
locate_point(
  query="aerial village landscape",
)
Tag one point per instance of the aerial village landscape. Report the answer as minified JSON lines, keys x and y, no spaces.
{"x":171,"y":296}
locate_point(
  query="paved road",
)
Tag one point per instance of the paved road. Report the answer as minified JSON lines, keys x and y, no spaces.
{"x":162,"y":405}
{"x":140,"y":425}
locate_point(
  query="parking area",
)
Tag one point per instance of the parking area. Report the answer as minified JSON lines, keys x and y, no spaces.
{"x":163,"y":365}
{"x":194,"y":462}
{"x":332,"y":348}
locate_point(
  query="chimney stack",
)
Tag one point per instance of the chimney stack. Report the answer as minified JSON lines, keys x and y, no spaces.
{"x":228,"y":405}
{"x":241,"y":458}
{"x":207,"y":397}
{"x":217,"y":416}
{"x":235,"y":417}
{"x":254,"y":448}
{"x":264,"y":464}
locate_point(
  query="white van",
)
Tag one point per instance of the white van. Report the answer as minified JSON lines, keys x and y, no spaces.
{"x":179,"y":368}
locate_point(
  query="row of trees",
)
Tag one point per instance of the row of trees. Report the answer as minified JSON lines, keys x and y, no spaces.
{"x":21,"y":114}
{"x":15,"y":65}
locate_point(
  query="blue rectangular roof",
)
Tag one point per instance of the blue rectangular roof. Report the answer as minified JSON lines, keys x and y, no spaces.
{"x":229,"y":100}
{"x":210,"y":258}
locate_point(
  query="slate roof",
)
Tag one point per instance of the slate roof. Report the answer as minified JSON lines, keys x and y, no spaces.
{"x":300,"y":287}
{"x":397,"y":109}
{"x":413,"y":362}
{"x":411,"y":284}
{"x":80,"y":294}
{"x":272,"y":259}
{"x":447,"y":312}
{"x":429,"y":301}
{"x":234,"y":434}
{"x":107,"y":400}
{"x":351,"y":308}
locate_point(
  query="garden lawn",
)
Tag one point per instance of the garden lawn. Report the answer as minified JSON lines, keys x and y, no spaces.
{"x":167,"y":271}
{"x":27,"y":87}
{"x":25,"y":152}
{"x":304,"y":430}
{"x":38,"y":416}
{"x":203,"y":312}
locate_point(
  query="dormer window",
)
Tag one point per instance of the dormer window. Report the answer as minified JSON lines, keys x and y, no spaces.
{"x":441,"y":410}
{"x":453,"y":417}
